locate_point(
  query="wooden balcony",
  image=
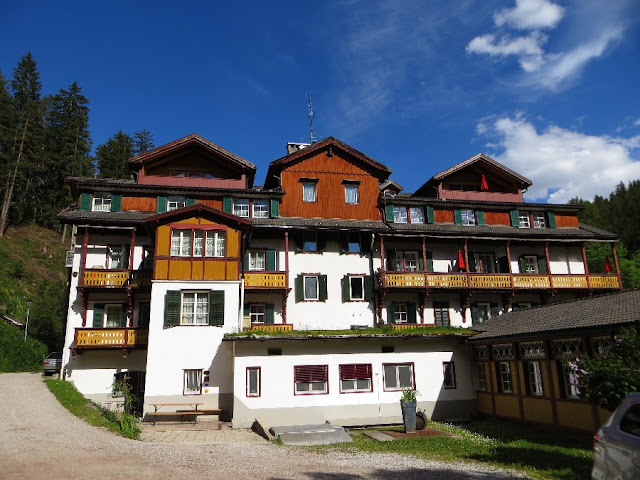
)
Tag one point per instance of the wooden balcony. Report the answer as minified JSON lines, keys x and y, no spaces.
{"x":272,"y":327}
{"x":409,"y":326}
{"x":111,"y":337}
{"x":499,"y":281}
{"x":265,"y":280}
{"x":116,"y":278}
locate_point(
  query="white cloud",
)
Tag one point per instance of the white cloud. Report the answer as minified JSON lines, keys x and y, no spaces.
{"x":562,"y":163}
{"x":530,"y":14}
{"x":528,"y":49}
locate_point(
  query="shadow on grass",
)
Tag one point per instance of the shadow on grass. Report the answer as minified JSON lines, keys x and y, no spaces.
{"x":409,"y":474}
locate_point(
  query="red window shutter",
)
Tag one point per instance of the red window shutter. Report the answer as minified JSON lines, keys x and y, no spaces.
{"x":310,"y":373}
{"x":355,"y":371}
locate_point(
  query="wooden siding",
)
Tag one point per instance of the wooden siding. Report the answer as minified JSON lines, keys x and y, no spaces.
{"x":484,"y":403}
{"x":330,"y":173}
{"x":576,"y":414}
{"x":537,"y":410}
{"x":507,"y":406}
{"x":443,"y":216}
{"x":567,"y":221}
{"x":194,"y":161}
{"x":139,"y":204}
{"x":497,"y":218}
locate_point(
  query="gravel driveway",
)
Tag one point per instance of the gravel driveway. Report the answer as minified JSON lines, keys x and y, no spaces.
{"x":39,"y":439}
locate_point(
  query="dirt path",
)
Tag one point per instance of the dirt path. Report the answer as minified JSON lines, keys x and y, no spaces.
{"x":39,"y":439}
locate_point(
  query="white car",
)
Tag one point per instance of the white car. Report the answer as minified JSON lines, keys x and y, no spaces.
{"x":617,"y":443}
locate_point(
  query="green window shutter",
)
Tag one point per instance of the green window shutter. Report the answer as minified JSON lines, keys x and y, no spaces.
{"x":322,"y":294}
{"x":216,"y":308}
{"x":116,"y":203}
{"x":299,"y":288}
{"x":388,"y":213}
{"x":190,"y":201}
{"x":245,"y":261}
{"x":552,"y":219}
{"x":269,"y":312}
{"x":523,"y":266}
{"x":457,"y":216}
{"x":274,"y":209}
{"x":515,"y":218}
{"x":227,"y":204}
{"x":125,"y":314}
{"x":391,"y":313}
{"x":346,"y":291}
{"x":172,"y":308}
{"x":420,"y":264}
{"x":368,"y":288}
{"x":430,"y":216}
{"x":429,"y":261}
{"x":542,"y":265}
{"x":85,"y":201}
{"x":162,"y":205}
{"x":246,"y":310}
{"x":98,"y":311}
{"x":480,"y":217}
{"x":411,"y":313}
{"x":271,"y":261}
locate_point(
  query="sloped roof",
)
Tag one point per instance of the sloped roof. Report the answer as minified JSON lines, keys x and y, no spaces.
{"x":197,"y":209}
{"x":281,"y":163}
{"x":613,"y":309}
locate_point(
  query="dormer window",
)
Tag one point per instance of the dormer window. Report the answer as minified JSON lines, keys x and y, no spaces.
{"x":174,"y":203}
{"x":241,"y":208}
{"x":101,"y":204}
{"x":399,"y":215}
{"x":309,"y":192}
{"x":468,"y":217}
{"x":538,"y":220}
{"x":416,"y":214}
{"x":260,"y":209}
{"x":524,"y":220}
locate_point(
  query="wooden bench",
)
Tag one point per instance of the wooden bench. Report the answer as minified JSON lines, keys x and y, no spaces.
{"x":192,"y":412}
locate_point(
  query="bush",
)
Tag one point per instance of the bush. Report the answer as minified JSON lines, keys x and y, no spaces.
{"x":16,"y":355}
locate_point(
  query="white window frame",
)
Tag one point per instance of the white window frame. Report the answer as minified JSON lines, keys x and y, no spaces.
{"x":254,"y":387}
{"x":258,"y":313}
{"x":539,"y":220}
{"x":311,"y":388}
{"x":357,"y":278}
{"x":400,"y":215}
{"x":468,"y":218}
{"x":530,"y":261}
{"x":189,"y":316}
{"x":411,"y":261}
{"x":351,"y":194}
{"x":534,"y":378}
{"x":101,"y":204}
{"x":192,"y":382}
{"x":181,"y":241}
{"x":400,"y":316}
{"x":570,"y":379}
{"x":215,"y":244}
{"x":309,"y":192}
{"x":241,"y":207}
{"x":118,"y":315}
{"x":393,"y":379}
{"x":260,"y":209}
{"x":355,"y":385}
{"x":525,"y":220}
{"x":506,"y":383}
{"x":317,"y":288}
{"x":416,"y":215}
{"x":257,"y":260}
{"x":175,"y":202}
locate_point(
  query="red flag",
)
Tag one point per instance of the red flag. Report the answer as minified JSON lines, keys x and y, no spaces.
{"x":483,"y":184}
{"x":461,"y":265}
{"x":607,"y":264}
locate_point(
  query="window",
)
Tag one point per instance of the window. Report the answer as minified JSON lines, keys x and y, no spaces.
{"x":253,"y":381}
{"x":356,"y":288}
{"x":482,"y":382}
{"x":484,"y":262}
{"x":195,"y":308}
{"x":355,"y":378}
{"x":310,"y":379}
{"x":399,"y":261}
{"x":101,"y":204}
{"x":241,"y":208}
{"x":173,"y":203}
{"x":534,"y":379}
{"x":504,"y":377}
{"x":416,"y":214}
{"x":309,"y":241}
{"x":483,"y":312}
{"x":257,"y":313}
{"x":398,"y":376}
{"x":524,"y":220}
{"x":309,"y":192}
{"x":192,"y":382}
{"x":538,"y":220}
{"x":351,"y":194}
{"x":530,"y":264}
{"x":114,"y":316}
{"x":180,"y":243}
{"x":209,"y":243}
{"x":352,"y":240}
{"x":441,"y":314}
{"x":118,"y":257}
{"x":399,"y":215}
{"x":260,"y":209}
{"x":310,"y":287}
{"x":257,"y":260}
{"x":411,"y":261}
{"x":468,"y":217}
{"x":400,"y":313}
{"x":569,"y":381}
{"x":215,"y":245}
{"x":449,"y":371}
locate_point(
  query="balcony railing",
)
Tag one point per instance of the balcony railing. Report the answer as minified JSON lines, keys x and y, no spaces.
{"x":502,"y":281}
{"x":116,"y":278}
{"x":265,"y":280}
{"x":274,"y":327}
{"x":111,"y":337}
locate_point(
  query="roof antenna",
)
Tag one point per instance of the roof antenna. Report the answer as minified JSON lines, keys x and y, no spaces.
{"x":312,"y":137}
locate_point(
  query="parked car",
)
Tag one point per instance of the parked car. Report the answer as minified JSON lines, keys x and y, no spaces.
{"x":52,"y":363}
{"x":617,"y":443}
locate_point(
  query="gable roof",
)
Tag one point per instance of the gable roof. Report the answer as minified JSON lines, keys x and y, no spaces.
{"x":185,"y":143}
{"x":193,"y":210}
{"x":614,"y":309}
{"x":479,"y":158}
{"x":380,"y":170}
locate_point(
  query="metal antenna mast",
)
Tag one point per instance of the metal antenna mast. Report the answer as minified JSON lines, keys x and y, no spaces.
{"x":312,"y":137}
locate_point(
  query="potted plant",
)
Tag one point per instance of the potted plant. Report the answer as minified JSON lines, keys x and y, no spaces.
{"x":408,"y":403}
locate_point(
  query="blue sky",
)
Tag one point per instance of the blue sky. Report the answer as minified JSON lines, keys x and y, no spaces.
{"x":550,"y":88}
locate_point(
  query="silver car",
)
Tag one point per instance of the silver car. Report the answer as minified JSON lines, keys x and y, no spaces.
{"x":617,"y":443}
{"x":52,"y":363}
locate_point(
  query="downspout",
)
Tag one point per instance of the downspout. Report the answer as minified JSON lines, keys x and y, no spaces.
{"x":372,"y":273}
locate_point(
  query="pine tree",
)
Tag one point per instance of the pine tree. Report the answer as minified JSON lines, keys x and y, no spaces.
{"x":113,"y":156}
{"x":143,"y":141}
{"x":7,"y":124}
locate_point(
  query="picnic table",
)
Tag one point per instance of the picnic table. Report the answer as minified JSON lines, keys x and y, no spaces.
{"x":192,"y":412}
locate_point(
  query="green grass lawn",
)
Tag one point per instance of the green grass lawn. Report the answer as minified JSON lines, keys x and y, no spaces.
{"x":537,"y":452}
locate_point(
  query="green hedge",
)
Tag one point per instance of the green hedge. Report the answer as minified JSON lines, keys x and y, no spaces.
{"x":16,"y":355}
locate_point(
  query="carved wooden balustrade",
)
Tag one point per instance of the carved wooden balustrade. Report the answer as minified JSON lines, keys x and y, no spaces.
{"x":265,"y":280}
{"x":111,"y":337}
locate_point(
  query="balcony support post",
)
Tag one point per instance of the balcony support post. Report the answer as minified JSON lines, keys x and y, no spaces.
{"x":83,"y":306}
{"x":546,"y":256}
{"x":130,"y":307}
{"x":83,"y":262}
{"x":614,"y":251}
{"x":383,"y":283}
{"x":424,"y":264}
{"x":132,"y":247}
{"x":286,"y":259}
{"x":586,"y":265}
{"x":509,"y":263}
{"x":285,"y":294}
